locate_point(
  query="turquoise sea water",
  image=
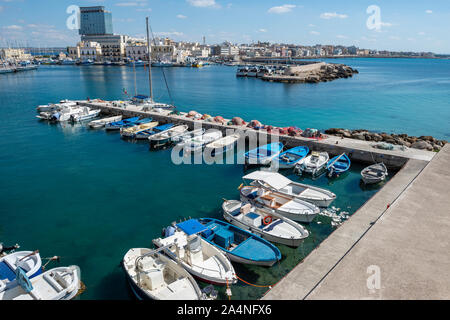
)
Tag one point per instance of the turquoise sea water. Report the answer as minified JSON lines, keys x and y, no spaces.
{"x":89,"y":196}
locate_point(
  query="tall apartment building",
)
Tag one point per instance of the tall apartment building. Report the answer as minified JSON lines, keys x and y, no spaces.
{"x":95,"y":21}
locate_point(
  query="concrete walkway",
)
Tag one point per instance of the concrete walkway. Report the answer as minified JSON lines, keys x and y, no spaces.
{"x":402,"y":252}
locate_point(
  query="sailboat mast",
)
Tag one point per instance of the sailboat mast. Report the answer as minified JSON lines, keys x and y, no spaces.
{"x":149,"y":62}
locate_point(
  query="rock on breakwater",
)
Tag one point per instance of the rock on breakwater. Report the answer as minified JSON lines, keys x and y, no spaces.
{"x":423,"y":142}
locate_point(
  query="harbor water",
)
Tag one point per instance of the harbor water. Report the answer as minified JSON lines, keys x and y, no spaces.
{"x":88,"y":196}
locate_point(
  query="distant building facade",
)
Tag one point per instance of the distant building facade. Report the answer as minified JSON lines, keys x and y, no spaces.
{"x":14,"y":54}
{"x":95,"y":21}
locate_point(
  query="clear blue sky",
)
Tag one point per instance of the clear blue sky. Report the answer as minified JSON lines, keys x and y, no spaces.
{"x":405,"y":25}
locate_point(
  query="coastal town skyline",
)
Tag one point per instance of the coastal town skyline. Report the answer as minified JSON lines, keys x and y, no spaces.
{"x":416,"y":27}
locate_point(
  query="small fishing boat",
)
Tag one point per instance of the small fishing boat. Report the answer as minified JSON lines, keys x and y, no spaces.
{"x":263,"y":155}
{"x":252,"y":72}
{"x":291,"y":157}
{"x":338,"y":165}
{"x":131,"y":132}
{"x":65,"y":113}
{"x":152,"y":275}
{"x":313,"y":163}
{"x":165,"y":137}
{"x":279,"y":183}
{"x":374,"y":173}
{"x":197,"y":143}
{"x":29,"y":261}
{"x":52,"y":107}
{"x":264,"y":223}
{"x":95,"y":124}
{"x":222,"y":145}
{"x":200,"y":258}
{"x":125,"y":123}
{"x":61,"y":283}
{"x":242,"y":72}
{"x":144,"y":135}
{"x":238,"y":244}
{"x":287,"y":206}
{"x":187,"y":135}
{"x":86,"y":114}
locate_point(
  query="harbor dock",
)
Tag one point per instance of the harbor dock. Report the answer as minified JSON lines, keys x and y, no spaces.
{"x":358,"y":150}
{"x":400,"y":236}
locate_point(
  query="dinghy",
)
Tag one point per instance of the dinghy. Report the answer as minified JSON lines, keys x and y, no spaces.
{"x":131,"y":132}
{"x":314,"y":163}
{"x":287,"y":206}
{"x":61,"y":283}
{"x":197,"y":143}
{"x":238,"y":244}
{"x":165,"y":137}
{"x":187,"y":135}
{"x":263,"y":155}
{"x":264,"y":223}
{"x":95,"y":124}
{"x":374,"y":173}
{"x":29,"y":261}
{"x":279,"y":183}
{"x":200,"y":258}
{"x":125,"y":123}
{"x":338,"y":165}
{"x":152,"y":275}
{"x":289,"y":158}
{"x":144,"y":135}
{"x":222,"y":145}
{"x":85,"y":114}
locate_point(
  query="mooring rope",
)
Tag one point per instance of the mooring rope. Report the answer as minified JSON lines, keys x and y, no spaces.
{"x":254,"y":285}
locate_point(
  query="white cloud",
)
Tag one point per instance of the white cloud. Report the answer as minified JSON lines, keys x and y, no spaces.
{"x":314,"y":33}
{"x":282,"y":9}
{"x":171,"y":33}
{"x":421,"y":33}
{"x":330,"y":15}
{"x":394,"y":38}
{"x":13,"y":27}
{"x":386,"y":24}
{"x":180,"y":16}
{"x":1,"y":8}
{"x":311,"y":25}
{"x":429,"y":11}
{"x":204,"y":3}
{"x":340,"y":36}
{"x":132,"y":3}
{"x":262,"y":30}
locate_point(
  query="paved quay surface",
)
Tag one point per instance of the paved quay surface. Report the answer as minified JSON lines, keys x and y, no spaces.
{"x":407,"y":245}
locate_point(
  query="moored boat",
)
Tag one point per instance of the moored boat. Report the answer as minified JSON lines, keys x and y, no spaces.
{"x":131,"y":132}
{"x":125,"y":123}
{"x":279,"y":183}
{"x":263,"y":155}
{"x":29,"y":261}
{"x":95,"y":124}
{"x":264,"y":223}
{"x":144,"y":135}
{"x":314,"y":163}
{"x":152,"y":275}
{"x":85,"y":114}
{"x":374,"y":173}
{"x":338,"y":165}
{"x":197,"y":143}
{"x":289,"y":207}
{"x":239,"y":245}
{"x":187,"y":135}
{"x":200,"y":258}
{"x":165,"y":137}
{"x":222,"y":145}
{"x":290,"y":157}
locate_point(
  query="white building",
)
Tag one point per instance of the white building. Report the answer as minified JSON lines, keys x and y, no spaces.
{"x":136,"y":52}
{"x":14,"y":54}
{"x":113,"y":46}
{"x":86,"y":50}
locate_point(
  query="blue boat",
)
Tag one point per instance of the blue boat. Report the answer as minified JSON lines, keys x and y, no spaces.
{"x":29,"y":261}
{"x":290,"y":157}
{"x":338,"y":165}
{"x":147,"y":133}
{"x":239,"y":245}
{"x":123,"y":123}
{"x":263,"y":155}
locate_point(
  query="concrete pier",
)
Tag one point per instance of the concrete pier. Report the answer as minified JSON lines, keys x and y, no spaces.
{"x":358,"y":150}
{"x":381,"y":252}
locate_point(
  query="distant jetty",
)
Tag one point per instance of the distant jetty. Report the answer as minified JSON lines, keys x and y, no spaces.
{"x":312,"y":73}
{"x":423,"y":142}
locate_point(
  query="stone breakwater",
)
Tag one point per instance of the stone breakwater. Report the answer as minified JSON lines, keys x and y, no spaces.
{"x":423,"y":142}
{"x":313,"y":73}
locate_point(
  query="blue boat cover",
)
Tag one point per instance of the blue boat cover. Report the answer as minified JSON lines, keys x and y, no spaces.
{"x":191,"y":226}
{"x":23,"y":280}
{"x":142,"y":97}
{"x":6,"y":272}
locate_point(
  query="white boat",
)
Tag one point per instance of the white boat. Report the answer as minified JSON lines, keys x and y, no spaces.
{"x":162,"y":138}
{"x":61,"y":283}
{"x":222,"y":145}
{"x":95,"y":124}
{"x":86,"y":114}
{"x":314,"y":163}
{"x":188,"y":135}
{"x":252,"y":72}
{"x":152,"y":275}
{"x":132,"y":131}
{"x":279,"y":183}
{"x":65,"y":113}
{"x":289,"y":207}
{"x":51,"y":107}
{"x":198,"y":257}
{"x":242,"y":72}
{"x":29,"y":261}
{"x":197,"y":143}
{"x":265,"y":223}
{"x":374,"y":173}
